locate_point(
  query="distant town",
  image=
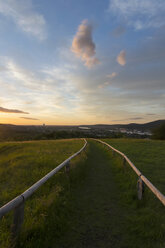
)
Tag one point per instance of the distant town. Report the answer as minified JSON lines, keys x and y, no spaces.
{"x":129,"y":132}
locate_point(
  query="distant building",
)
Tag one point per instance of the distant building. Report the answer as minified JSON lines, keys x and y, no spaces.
{"x":85,"y":128}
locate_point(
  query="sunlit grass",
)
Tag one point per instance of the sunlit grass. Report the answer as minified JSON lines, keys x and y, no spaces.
{"x":24,"y":163}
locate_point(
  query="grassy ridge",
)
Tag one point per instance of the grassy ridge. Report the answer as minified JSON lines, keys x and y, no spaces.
{"x":147,"y":155}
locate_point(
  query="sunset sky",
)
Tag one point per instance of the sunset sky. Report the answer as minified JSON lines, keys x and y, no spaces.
{"x":82,"y":61}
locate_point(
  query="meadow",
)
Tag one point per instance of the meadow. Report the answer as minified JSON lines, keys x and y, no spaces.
{"x":24,"y":163}
{"x":95,"y":205}
{"x":145,"y":220}
{"x":147,"y":155}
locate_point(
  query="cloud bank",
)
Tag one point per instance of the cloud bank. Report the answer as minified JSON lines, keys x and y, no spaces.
{"x":27,"y":118}
{"x":5,"y":110}
{"x":140,"y":14}
{"x":83,"y":45}
{"x":121,"y":58}
{"x":129,"y":119}
{"x":24,"y":16}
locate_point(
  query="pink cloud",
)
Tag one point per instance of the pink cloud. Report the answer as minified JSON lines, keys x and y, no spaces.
{"x":121,"y":58}
{"x":83,"y":45}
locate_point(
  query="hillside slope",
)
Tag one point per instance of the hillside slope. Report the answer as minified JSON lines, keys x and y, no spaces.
{"x":99,"y":209}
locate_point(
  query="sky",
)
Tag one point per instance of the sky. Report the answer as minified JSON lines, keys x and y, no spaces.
{"x":69,"y":62}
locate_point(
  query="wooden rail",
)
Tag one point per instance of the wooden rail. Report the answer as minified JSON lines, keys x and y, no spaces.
{"x":142,"y":178}
{"x":17,"y":204}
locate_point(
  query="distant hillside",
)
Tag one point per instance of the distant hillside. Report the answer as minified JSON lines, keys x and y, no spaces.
{"x":146,"y":126}
{"x":131,"y":126}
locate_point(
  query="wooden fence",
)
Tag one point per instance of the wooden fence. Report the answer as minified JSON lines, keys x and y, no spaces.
{"x":18,"y":203}
{"x":142,"y":179}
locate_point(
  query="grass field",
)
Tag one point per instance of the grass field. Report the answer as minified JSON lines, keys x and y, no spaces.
{"x":95,"y":206}
{"x":24,"y":163}
{"x":147,"y":155}
{"x":146,"y":218}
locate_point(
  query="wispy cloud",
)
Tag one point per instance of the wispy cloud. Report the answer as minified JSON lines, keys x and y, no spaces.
{"x":151,"y":114}
{"x":51,"y":89}
{"x":135,"y":118}
{"x":26,"y":118}
{"x":140,"y":14}
{"x":101,"y":86}
{"x":19,"y":75}
{"x":5,"y":110}
{"x":112,"y":75}
{"x":121,"y":58}
{"x":25,"y":17}
{"x":107,"y":83}
{"x":83,"y":45}
{"x":129,"y":119}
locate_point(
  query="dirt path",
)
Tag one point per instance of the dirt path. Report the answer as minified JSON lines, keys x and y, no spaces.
{"x":96,"y":219}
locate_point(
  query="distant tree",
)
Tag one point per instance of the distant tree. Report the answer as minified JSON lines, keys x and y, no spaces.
{"x":159,"y":132}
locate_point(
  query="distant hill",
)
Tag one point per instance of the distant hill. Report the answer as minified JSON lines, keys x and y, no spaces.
{"x":131,"y":126}
{"x":146,"y":126}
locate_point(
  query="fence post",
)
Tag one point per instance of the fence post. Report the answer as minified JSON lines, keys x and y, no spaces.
{"x":67,"y":167}
{"x":140,"y":188}
{"x":124,"y":161}
{"x":18,"y":219}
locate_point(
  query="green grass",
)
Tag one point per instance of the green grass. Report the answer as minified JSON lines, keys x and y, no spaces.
{"x":147,"y":155}
{"x":99,"y":208}
{"x":95,"y":206}
{"x":24,"y":163}
{"x":145,"y":219}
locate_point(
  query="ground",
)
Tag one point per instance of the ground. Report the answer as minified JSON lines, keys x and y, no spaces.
{"x":95,"y":205}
